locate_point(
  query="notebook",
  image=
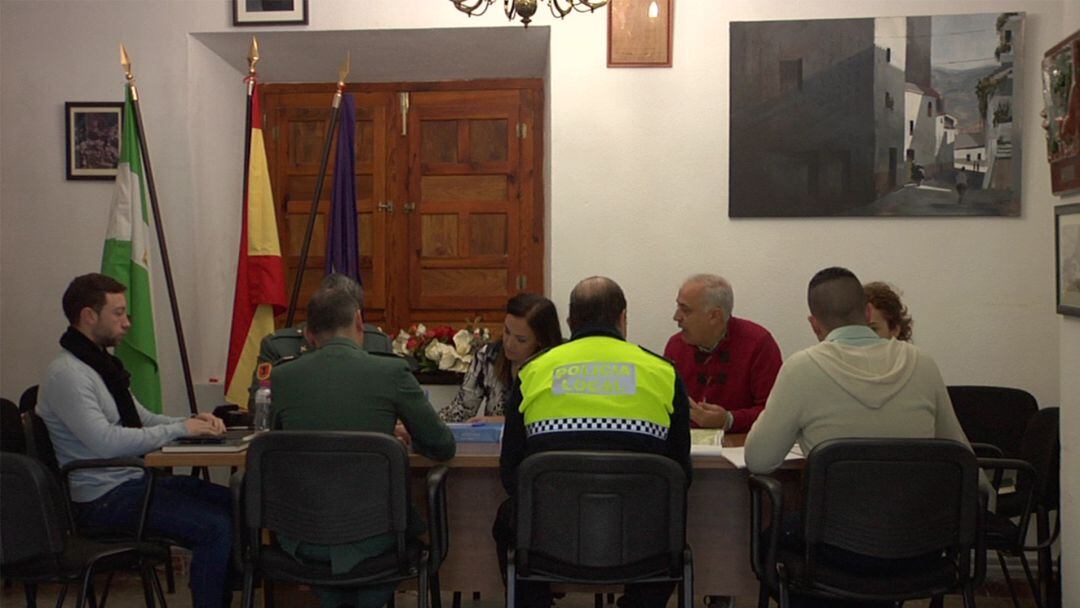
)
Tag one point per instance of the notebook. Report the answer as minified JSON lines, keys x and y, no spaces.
{"x":234,"y":440}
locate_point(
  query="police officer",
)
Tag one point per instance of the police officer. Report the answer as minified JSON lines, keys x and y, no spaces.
{"x":289,"y":343}
{"x":595,"y":392}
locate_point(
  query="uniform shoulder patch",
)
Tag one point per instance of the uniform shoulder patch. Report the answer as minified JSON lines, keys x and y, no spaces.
{"x":262,"y":372}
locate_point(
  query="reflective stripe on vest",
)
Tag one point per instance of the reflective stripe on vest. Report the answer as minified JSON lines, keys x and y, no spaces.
{"x":597,"y":383}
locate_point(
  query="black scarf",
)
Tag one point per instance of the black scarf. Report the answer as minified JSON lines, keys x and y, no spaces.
{"x":111,"y":369}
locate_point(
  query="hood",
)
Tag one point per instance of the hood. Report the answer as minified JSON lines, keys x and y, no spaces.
{"x":872,"y":375}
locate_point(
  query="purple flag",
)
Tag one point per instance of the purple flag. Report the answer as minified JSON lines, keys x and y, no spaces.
{"x":343,"y":244}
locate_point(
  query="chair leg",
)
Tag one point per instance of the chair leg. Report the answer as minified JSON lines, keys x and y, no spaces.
{"x":763,"y":596}
{"x":268,"y":594}
{"x":30,"y":592}
{"x":422,"y":587}
{"x":105,"y":593}
{"x":598,"y":600}
{"x":455,"y":600}
{"x":1036,"y":591}
{"x":1008,"y":580}
{"x":433,"y":589}
{"x":938,"y":601}
{"x":170,"y":576}
{"x":147,"y":587}
{"x":86,"y":590}
{"x":511,"y":583}
{"x":249,"y":588}
{"x":157,"y":587}
{"x":969,"y":597}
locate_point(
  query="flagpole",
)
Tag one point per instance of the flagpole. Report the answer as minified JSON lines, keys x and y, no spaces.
{"x":125,"y":62}
{"x":335,"y":110}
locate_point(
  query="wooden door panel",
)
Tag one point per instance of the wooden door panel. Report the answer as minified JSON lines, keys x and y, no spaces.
{"x":299,"y":122}
{"x":464,"y":161}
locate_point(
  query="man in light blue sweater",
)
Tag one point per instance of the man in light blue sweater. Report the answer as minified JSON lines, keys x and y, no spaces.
{"x":87,"y":405}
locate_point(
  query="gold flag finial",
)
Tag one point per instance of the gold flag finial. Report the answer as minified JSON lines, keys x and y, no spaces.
{"x":125,"y":62}
{"x":253,"y":55}
{"x":343,"y":71}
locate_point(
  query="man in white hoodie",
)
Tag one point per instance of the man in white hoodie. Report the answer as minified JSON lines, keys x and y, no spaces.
{"x":851,"y":384}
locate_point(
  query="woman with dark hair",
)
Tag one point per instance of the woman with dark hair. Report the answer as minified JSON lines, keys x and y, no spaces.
{"x":531,"y":325}
{"x":888,"y":315}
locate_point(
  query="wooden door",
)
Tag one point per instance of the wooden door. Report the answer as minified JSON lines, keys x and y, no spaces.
{"x":449,"y":195}
{"x":468,"y":224}
{"x":299,"y":130}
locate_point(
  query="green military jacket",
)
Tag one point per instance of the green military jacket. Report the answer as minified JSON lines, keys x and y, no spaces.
{"x":341,"y":387}
{"x":289,"y":343}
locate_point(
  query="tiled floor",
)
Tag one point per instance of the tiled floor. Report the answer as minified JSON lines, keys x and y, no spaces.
{"x":127,"y":593}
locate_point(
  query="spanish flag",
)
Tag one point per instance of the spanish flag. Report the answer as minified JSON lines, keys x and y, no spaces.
{"x":260,"y":275}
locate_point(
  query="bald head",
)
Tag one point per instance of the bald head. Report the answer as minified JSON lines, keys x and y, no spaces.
{"x":597,"y":302}
{"x":836,"y":299}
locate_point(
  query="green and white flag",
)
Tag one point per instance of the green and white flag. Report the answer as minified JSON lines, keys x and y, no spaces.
{"x":127,"y":259}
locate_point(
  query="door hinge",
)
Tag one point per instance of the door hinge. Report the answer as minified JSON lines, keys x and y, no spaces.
{"x":522,"y":282}
{"x":404,"y":97}
{"x":522,"y":130}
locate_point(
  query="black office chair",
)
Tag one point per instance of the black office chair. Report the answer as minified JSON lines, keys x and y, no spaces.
{"x":40,"y":447}
{"x":332,"y":488}
{"x":1035,"y":492}
{"x":12,"y":438}
{"x":994,"y":415}
{"x":600,"y":518}
{"x":28,"y":399}
{"x":914,"y":504}
{"x":38,"y":543}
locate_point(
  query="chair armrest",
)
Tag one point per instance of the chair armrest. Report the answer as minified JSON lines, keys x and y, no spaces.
{"x":1025,"y":485}
{"x":764,"y":562}
{"x":236,"y":488}
{"x":438,"y":526}
{"x":987,"y":450}
{"x":111,"y":463}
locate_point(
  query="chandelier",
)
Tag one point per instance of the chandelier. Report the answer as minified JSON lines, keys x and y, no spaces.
{"x":527,"y":8}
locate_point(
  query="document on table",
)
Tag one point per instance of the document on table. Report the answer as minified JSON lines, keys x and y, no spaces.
{"x":737,"y":456}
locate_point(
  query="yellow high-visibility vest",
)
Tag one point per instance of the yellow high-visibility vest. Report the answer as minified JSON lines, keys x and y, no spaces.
{"x":597,"y":383}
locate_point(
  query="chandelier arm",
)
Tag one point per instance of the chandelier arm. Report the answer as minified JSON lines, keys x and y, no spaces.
{"x":587,"y":6}
{"x":477,"y":8}
{"x":510,"y":9}
{"x":557,"y":10}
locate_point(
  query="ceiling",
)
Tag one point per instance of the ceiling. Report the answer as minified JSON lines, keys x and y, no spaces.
{"x":404,"y":55}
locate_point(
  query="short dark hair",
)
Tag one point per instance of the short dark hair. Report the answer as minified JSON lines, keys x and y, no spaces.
{"x":836,"y":298}
{"x":596,"y":302}
{"x":330,"y":310}
{"x":88,"y":290}
{"x":345,"y":283}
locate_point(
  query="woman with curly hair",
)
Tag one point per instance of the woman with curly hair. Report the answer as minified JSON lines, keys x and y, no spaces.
{"x":888,"y":315}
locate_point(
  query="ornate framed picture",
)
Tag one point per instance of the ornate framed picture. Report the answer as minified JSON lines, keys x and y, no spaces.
{"x":1061,"y":113}
{"x":640,"y":33}
{"x":93,"y":138}
{"x":1067,"y":244}
{"x":270,"y":12}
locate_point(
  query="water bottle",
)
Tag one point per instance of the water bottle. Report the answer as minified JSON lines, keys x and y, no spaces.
{"x":261,"y":418}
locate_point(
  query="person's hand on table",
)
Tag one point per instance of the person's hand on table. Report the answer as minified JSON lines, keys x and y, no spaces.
{"x":402,"y":434}
{"x":204,"y":424}
{"x":708,"y":415}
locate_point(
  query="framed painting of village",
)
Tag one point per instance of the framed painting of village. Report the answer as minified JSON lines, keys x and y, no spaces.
{"x":891,"y":116}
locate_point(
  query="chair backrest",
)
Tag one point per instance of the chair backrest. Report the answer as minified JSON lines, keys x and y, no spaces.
{"x":39,"y":444}
{"x":995,"y":415}
{"x":597,"y":514}
{"x":1041,"y":447}
{"x":32,"y":512}
{"x":12,"y":438}
{"x":28,"y":399}
{"x":891,"y":498}
{"x":327,"y":487}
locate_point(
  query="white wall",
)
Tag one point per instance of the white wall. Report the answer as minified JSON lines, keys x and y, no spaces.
{"x":1069,"y":328}
{"x":637,"y":189}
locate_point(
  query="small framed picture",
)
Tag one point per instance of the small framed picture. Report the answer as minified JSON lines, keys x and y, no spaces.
{"x":1067,"y":242}
{"x":270,"y":12}
{"x":640,"y":33}
{"x":93,"y":138}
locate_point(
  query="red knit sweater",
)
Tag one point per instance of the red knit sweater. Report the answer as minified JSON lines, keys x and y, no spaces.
{"x":736,"y":375}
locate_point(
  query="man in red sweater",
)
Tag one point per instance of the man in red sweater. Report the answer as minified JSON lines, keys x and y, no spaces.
{"x":727,"y":364}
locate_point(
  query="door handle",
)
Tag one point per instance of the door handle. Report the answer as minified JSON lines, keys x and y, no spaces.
{"x":388,"y":206}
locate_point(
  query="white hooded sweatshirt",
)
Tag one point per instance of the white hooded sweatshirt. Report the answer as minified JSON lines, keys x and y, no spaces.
{"x":853,"y":384}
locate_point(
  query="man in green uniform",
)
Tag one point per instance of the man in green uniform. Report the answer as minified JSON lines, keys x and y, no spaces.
{"x":339,"y":386}
{"x":595,"y":392}
{"x":289,"y":342}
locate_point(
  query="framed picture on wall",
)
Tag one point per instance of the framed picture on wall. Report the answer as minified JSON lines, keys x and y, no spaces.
{"x":270,"y":12}
{"x":1061,"y":113}
{"x":1067,"y":243}
{"x":93,"y":138}
{"x":640,"y":33}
